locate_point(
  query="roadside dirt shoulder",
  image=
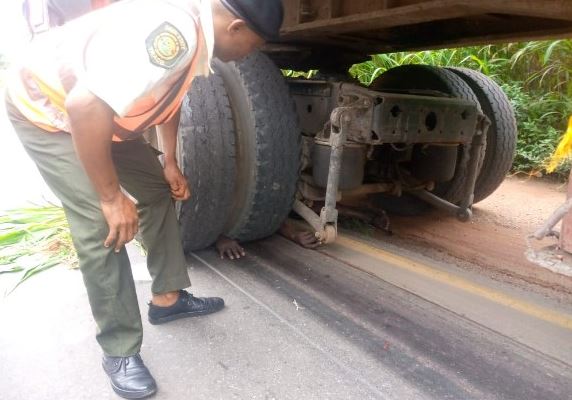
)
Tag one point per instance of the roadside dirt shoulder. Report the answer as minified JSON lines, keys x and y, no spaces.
{"x":495,"y":240}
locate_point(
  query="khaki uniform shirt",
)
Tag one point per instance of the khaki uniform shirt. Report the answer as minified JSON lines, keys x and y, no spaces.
{"x":132,"y":55}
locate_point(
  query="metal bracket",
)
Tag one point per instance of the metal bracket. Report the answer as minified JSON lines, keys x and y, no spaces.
{"x":463,"y":211}
{"x":476,"y":155}
{"x":324,"y":233}
{"x":326,"y":224}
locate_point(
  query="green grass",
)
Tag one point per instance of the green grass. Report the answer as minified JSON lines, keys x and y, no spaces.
{"x":33,"y":240}
{"x":544,"y":65}
{"x":288,"y":73}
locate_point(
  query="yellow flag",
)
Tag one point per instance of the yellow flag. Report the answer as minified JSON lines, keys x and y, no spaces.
{"x":563,"y":151}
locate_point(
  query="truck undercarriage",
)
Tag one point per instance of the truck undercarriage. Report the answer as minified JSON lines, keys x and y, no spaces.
{"x":344,"y":126}
{"x":443,"y":136}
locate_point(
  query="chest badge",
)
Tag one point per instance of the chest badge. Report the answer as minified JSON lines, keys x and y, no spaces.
{"x":166,"y":45}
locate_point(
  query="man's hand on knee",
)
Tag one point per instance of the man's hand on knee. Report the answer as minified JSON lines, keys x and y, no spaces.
{"x":122,"y":219}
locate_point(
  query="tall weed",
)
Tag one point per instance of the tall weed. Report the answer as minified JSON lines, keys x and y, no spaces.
{"x":33,"y":240}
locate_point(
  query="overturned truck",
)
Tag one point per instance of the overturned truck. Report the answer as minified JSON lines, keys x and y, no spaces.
{"x":255,"y":146}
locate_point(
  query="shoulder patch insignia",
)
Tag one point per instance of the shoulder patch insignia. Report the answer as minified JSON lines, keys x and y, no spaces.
{"x":166,"y":45}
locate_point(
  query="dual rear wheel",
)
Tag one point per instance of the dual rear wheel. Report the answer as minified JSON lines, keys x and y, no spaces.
{"x":240,"y":151}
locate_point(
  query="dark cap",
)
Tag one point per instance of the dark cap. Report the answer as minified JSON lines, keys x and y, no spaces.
{"x":262,"y":16}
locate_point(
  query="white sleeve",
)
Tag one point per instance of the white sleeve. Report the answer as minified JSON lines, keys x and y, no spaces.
{"x":124,"y":64}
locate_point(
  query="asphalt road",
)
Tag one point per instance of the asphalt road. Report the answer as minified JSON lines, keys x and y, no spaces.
{"x":357,"y":320}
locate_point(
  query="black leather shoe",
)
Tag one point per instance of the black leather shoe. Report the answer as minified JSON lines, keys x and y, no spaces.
{"x":186,"y":306}
{"x":129,"y":377}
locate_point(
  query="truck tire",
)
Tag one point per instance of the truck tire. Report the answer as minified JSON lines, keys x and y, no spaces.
{"x":206,"y":155}
{"x":425,"y":77}
{"x":501,"y":136}
{"x":268,"y":147}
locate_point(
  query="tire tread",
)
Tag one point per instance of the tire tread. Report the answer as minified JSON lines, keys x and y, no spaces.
{"x":277,"y":148}
{"x":208,"y":158}
{"x":502,"y":135}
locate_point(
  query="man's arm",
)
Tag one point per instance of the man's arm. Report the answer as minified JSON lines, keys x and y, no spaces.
{"x":168,"y":132}
{"x":92,"y":126}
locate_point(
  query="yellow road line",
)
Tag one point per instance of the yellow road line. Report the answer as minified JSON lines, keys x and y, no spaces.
{"x":533,"y":310}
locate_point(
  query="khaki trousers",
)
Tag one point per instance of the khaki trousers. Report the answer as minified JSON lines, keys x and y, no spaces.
{"x":107,"y":275}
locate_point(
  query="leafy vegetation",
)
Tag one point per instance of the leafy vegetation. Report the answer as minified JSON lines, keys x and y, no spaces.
{"x":33,"y":240}
{"x":288,"y":73}
{"x":535,"y":76}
